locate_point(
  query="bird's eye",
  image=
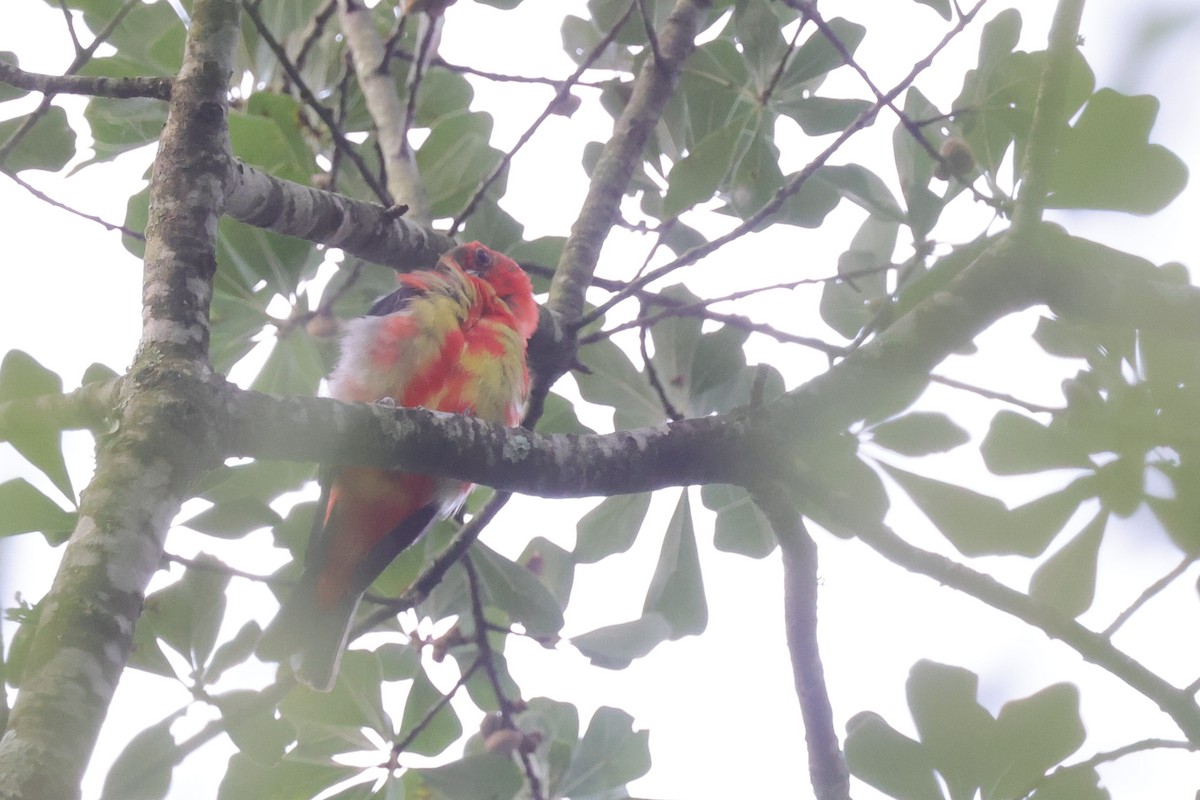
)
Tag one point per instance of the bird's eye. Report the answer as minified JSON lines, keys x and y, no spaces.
{"x":483,"y":259}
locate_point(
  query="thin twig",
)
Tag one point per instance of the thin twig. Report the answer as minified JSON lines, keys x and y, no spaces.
{"x":1151,"y":590}
{"x":563,"y":91}
{"x":45,"y":198}
{"x":778,"y":74}
{"x":487,"y":656}
{"x":314,"y":29}
{"x":400,"y":746}
{"x":91,"y":85}
{"x":994,"y":395}
{"x":340,"y":142}
{"x":652,"y":374}
{"x":81,"y":58}
{"x":438,"y":61}
{"x":790,"y":188}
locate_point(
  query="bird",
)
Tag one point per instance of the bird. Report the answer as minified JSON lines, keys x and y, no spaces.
{"x":450,"y":339}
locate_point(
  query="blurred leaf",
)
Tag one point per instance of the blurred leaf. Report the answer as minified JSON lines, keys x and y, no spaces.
{"x":675,"y":340}
{"x":611,"y":753}
{"x":21,"y":377}
{"x":1107,"y":162}
{"x":517,"y":591}
{"x":10,"y":92}
{"x":616,"y":646}
{"x":1067,"y":579}
{"x":1018,"y":445}
{"x":559,"y":417}
{"x":610,"y":527}
{"x":234,"y":518}
{"x":881,"y":756}
{"x":267,"y":135}
{"x":233,"y":652}
{"x":975,"y":523}
{"x":919,"y":433}
{"x":27,"y":510}
{"x":253,"y":727}
{"x":455,"y":159}
{"x":143,"y":769}
{"x":1076,"y":782}
{"x":442,"y":730}
{"x":1034,"y":734}
{"x":187,"y":614}
{"x":246,"y":777}
{"x":861,"y":186}
{"x":253,"y":254}
{"x":758,"y":31}
{"x":958,"y":734}
{"x":740,"y":527}
{"x":485,"y":775}
{"x":49,"y":145}
{"x":942,"y":7}
{"x":354,"y":703}
{"x":149,"y":39}
{"x":837,"y":490}
{"x":677,"y":588}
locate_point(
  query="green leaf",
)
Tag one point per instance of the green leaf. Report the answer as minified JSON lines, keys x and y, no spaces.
{"x":695,"y":178}
{"x":119,"y":125}
{"x":1072,"y":783}
{"x":143,"y":769}
{"x":758,"y":31}
{"x":881,"y":756}
{"x":295,"y":366}
{"x":1067,"y":580}
{"x":27,"y":510}
{"x":441,"y":731}
{"x":975,"y":524}
{"x":1018,"y":445}
{"x":613,"y":381}
{"x":10,"y":92}
{"x":818,"y":116}
{"x":717,"y":366}
{"x":150,"y":37}
{"x":611,"y":527}
{"x":808,"y":206}
{"x":675,"y":340}
{"x":455,"y":159}
{"x":1040,"y":520}
{"x":553,"y":567}
{"x":837,"y":490}
{"x":864,"y":188}
{"x":249,"y":255}
{"x":920,"y":433}
{"x":517,"y":591}
{"x":942,"y":7}
{"x":289,"y":779}
{"x":267,"y":135}
{"x":253,"y":727}
{"x":233,"y":652}
{"x":187,"y":615}
{"x":740,"y":527}
{"x":234,"y":518}
{"x":486,"y":776}
{"x":610,"y":755}
{"x":849,"y":305}
{"x":957,"y":733}
{"x":817,"y":56}
{"x":354,"y":703}
{"x":1105,"y":160}
{"x":616,"y":646}
{"x":1035,"y":733}
{"x":559,"y":416}
{"x":21,"y":377}
{"x":677,"y":589}
{"x":49,"y":145}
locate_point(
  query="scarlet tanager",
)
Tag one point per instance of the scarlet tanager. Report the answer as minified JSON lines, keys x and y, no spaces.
{"x":449,"y":339}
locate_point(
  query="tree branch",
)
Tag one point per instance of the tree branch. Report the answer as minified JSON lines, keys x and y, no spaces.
{"x":826,"y":763}
{"x":1092,"y":646}
{"x":92,"y":85}
{"x":384,"y":106}
{"x":85,"y":632}
{"x":621,"y":154}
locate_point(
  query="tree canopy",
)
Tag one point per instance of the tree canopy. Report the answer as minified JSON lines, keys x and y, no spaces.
{"x":779,"y":281}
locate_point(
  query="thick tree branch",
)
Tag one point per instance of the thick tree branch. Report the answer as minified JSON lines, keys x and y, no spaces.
{"x":92,"y":85}
{"x":362,"y":229}
{"x":384,"y":106}
{"x":621,"y":154}
{"x":826,"y":763}
{"x":85,"y":632}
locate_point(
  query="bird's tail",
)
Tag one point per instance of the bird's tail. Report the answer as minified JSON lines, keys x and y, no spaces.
{"x":310,"y":638}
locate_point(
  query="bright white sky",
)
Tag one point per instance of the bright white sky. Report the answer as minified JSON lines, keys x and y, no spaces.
{"x":724,"y":700}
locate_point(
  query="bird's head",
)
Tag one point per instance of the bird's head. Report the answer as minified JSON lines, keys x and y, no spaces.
{"x":510,"y":283}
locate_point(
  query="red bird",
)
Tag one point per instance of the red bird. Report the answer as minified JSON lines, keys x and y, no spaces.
{"x":449,"y":339}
